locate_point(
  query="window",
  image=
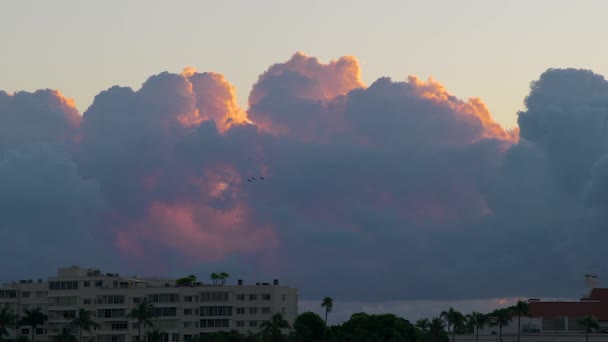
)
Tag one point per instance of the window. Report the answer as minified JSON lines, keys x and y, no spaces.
{"x":40,"y":293}
{"x":283,"y":297}
{"x":164,"y":312}
{"x":266,"y":297}
{"x":253,"y":323}
{"x":215,"y":296}
{"x":63,"y":301}
{"x":175,"y":337}
{"x":240,"y":311}
{"x":253,"y":310}
{"x":188,"y":325}
{"x":63,"y":285}
{"x":166,"y":324}
{"x":240,"y":323}
{"x":25,"y":331}
{"x":86,"y":301}
{"x":109,"y":313}
{"x":215,"y":323}
{"x":283,"y":310}
{"x":265,"y":310}
{"x":8,"y":294}
{"x":120,"y":326}
{"x":240,"y":297}
{"x":253,"y":297}
{"x":39,"y":331}
{"x":25,"y":294}
{"x":136,"y":300}
{"x":187,"y":312}
{"x":98,"y":283}
{"x":187,"y":338}
{"x":87,"y":284}
{"x":110,"y":300}
{"x":216,"y":311}
{"x":187,"y":298}
{"x":163,"y":298}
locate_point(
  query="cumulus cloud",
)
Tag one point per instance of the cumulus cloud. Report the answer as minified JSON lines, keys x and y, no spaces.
{"x":399,"y":186}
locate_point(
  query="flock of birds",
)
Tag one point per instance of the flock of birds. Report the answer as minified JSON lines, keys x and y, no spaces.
{"x":253,"y":178}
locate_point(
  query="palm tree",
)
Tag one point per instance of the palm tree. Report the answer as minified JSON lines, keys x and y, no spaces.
{"x":436,"y":329}
{"x":500,"y":318}
{"x":215,"y":277}
{"x":83,"y":322}
{"x":66,"y":335}
{"x":520,"y":309}
{"x":142,"y":313}
{"x":223,"y":276}
{"x":328,"y":304}
{"x":590,"y":324}
{"x":7,"y":320}
{"x":454,"y":319}
{"x":274,"y":326}
{"x":478,"y":320}
{"x":33,"y":318}
{"x":423,"y":325}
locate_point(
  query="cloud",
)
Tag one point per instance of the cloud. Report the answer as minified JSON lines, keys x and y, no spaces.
{"x":399,"y":187}
{"x":42,"y":116}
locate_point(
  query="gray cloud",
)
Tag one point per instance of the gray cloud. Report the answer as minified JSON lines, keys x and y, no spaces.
{"x":396,"y":191}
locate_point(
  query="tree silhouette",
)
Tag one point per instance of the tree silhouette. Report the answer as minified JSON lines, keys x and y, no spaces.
{"x":328,"y":304}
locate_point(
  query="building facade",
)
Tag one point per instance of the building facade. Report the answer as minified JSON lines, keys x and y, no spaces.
{"x":180,"y":311}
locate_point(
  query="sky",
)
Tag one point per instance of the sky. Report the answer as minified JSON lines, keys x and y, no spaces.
{"x":134,"y":135}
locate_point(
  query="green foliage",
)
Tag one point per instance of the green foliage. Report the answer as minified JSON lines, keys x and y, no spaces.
{"x":223,"y":276}
{"x":22,"y":338}
{"x":8,"y":319}
{"x":589,"y":323}
{"x":274,"y":327}
{"x":156,"y":335}
{"x":33,"y":318}
{"x":384,"y":327}
{"x":66,"y":335}
{"x":186,"y":281}
{"x":83,"y":322}
{"x":142,"y":313}
{"x":309,"y":326}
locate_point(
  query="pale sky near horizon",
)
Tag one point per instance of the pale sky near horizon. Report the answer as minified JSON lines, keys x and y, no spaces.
{"x":476,"y":48}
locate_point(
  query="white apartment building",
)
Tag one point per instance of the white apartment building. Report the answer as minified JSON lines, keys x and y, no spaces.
{"x":181,"y":311}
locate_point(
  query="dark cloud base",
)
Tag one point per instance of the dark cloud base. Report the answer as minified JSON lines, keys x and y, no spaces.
{"x":393,"y":191}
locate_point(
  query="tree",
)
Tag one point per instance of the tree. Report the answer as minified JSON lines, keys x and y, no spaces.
{"x":66,"y":335}
{"x":500,"y":318}
{"x":186,"y":281}
{"x":8,"y":319}
{"x":33,"y":318}
{"x":423,"y":325}
{"x":385,"y":327}
{"x":437,"y":330}
{"x":328,"y":304}
{"x":83,"y":322}
{"x":309,"y":326}
{"x":215,"y":277}
{"x":223,"y":276}
{"x":142,"y":313}
{"x":520,"y":309}
{"x":478,"y":320}
{"x":590,"y":324}
{"x":454,"y":319}
{"x":156,"y":335}
{"x":274,"y":326}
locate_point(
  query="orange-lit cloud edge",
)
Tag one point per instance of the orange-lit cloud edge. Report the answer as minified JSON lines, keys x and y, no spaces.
{"x":204,"y":233}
